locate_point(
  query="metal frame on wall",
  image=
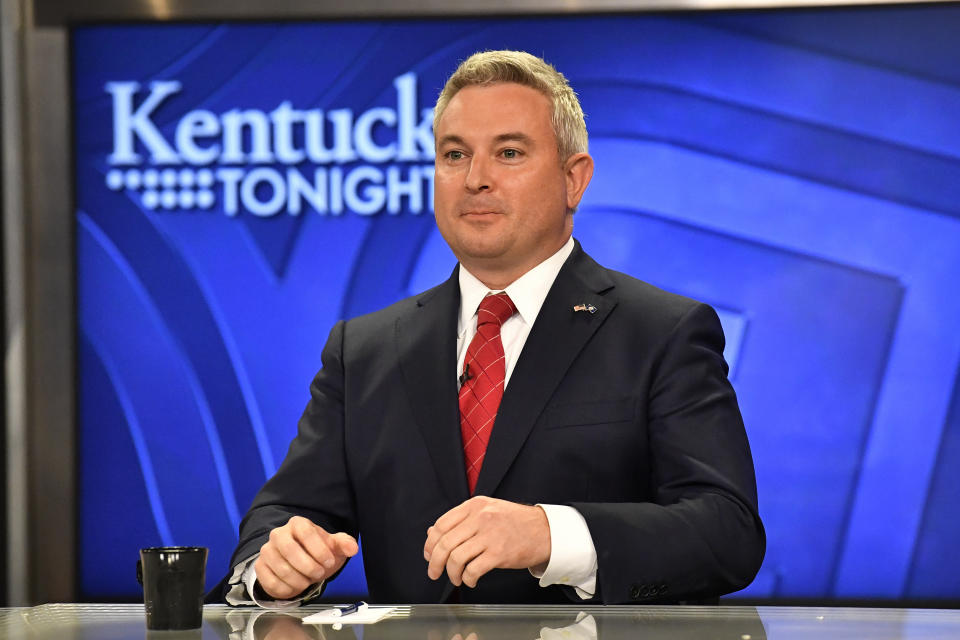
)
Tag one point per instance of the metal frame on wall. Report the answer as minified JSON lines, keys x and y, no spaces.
{"x":14,"y":292}
{"x":3,"y":323}
{"x":39,"y":269}
{"x":59,"y":13}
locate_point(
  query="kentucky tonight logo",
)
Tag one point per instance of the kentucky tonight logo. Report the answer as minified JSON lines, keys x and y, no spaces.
{"x":287,"y":160}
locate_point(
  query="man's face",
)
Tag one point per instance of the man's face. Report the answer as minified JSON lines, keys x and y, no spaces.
{"x":502,"y":196}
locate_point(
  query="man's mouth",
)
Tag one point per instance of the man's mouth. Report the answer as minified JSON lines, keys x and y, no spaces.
{"x":479,"y":212}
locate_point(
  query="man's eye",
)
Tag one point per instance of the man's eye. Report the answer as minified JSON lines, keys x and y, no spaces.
{"x":510,"y":153}
{"x":454,"y":155}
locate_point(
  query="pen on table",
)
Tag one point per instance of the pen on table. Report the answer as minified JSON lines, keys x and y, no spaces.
{"x":356,"y":607}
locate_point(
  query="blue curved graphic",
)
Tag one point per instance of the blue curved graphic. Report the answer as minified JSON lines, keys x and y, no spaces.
{"x":115,"y":382}
{"x":175,"y":293}
{"x":165,"y":413}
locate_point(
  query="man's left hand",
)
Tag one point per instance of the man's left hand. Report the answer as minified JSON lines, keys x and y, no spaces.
{"x":483,"y":534}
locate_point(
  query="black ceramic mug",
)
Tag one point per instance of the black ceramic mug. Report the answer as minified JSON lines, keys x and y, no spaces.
{"x":173,"y":579}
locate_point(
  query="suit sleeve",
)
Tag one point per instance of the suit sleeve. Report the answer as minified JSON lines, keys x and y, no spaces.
{"x":701,"y":535}
{"x":313,"y":480}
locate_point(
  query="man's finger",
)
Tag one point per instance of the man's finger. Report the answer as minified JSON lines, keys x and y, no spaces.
{"x":445,"y":545}
{"x":476,"y":569}
{"x":313,"y":538}
{"x":444,"y":523}
{"x":274,"y":585}
{"x":284,"y":547}
{"x":461,"y":556}
{"x":433,"y":534}
{"x":346,"y":544}
{"x":321,"y":545}
{"x":454,"y":516}
{"x":282,"y":568}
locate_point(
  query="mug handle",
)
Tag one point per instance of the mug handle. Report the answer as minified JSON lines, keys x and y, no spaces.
{"x":140,"y":572}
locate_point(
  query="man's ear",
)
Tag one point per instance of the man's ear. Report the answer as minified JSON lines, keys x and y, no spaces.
{"x":578,"y":169}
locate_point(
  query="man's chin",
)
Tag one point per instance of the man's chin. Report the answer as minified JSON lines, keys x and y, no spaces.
{"x":482,"y":251}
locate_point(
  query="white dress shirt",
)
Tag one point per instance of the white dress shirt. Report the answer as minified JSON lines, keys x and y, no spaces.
{"x":573,"y":556}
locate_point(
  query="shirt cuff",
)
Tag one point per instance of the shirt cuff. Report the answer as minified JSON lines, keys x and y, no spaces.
{"x":573,"y":557}
{"x":242,"y":592}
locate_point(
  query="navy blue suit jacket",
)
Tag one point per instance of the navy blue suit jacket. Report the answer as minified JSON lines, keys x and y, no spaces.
{"x":625,"y":414}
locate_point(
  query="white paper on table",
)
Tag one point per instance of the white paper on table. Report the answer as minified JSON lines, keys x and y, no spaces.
{"x":369,"y":615}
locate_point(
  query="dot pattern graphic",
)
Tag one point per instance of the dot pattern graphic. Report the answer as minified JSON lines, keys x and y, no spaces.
{"x":166,"y":189}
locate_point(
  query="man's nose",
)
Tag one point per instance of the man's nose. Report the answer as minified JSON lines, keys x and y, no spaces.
{"x":478,"y":177}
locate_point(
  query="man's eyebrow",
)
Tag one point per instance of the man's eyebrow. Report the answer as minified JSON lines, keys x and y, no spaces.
{"x":514,"y":136}
{"x":451,"y":139}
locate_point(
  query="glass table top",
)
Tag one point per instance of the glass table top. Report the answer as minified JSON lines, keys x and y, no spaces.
{"x":489,"y":622}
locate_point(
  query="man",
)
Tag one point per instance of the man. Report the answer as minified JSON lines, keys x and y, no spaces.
{"x":588,"y":414}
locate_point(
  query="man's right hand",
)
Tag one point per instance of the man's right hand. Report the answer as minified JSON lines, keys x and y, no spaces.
{"x":300,"y":554}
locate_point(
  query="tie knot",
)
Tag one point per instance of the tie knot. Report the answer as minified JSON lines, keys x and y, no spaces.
{"x":495,"y":308}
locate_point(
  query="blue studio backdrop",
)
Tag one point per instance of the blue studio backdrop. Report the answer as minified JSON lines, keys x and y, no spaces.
{"x":240,"y":187}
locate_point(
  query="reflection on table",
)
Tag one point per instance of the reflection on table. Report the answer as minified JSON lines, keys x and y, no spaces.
{"x":463,"y":622}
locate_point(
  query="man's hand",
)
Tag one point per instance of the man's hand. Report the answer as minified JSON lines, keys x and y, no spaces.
{"x":300,"y":554}
{"x":483,"y":534}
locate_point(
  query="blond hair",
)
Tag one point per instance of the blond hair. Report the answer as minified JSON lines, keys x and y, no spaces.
{"x":490,"y":67}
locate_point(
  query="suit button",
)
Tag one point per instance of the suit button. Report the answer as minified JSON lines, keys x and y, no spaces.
{"x":635,"y":592}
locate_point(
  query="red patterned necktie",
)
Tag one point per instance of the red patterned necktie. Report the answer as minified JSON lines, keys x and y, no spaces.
{"x":484,"y":373}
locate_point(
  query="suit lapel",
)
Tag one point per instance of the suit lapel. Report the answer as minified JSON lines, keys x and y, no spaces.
{"x":427,"y":346}
{"x":557,"y":336}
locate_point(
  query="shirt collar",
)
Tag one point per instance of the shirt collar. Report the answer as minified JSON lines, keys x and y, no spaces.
{"x":527,"y":292}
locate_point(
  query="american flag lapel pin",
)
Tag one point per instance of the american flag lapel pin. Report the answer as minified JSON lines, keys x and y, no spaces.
{"x":584,"y":307}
